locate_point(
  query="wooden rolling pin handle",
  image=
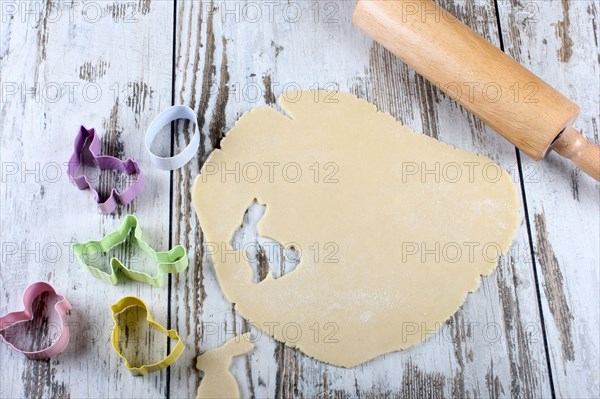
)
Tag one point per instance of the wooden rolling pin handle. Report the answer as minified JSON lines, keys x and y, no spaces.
{"x":573,"y":145}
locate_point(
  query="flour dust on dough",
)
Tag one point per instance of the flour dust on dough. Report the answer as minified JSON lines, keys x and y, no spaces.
{"x":393,"y":228}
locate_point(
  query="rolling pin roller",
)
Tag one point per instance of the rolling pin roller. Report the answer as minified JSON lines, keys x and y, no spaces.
{"x":483,"y":79}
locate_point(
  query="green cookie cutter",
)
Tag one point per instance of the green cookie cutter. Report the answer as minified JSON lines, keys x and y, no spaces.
{"x":173,"y":261}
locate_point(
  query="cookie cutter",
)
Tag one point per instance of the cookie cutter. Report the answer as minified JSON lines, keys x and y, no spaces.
{"x":131,"y":301}
{"x":163,"y":119}
{"x":86,"y":149}
{"x":62,"y":306}
{"x":172,"y":261}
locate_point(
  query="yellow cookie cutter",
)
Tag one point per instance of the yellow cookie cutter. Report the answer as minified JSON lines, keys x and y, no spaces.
{"x":130,"y":301}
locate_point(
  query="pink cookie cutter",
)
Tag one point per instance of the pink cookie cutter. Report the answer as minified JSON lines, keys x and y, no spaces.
{"x":62,"y":306}
{"x":87,"y":147}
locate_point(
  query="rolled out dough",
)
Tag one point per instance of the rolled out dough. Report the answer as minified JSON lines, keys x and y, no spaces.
{"x":218,"y":382}
{"x":394,"y":228}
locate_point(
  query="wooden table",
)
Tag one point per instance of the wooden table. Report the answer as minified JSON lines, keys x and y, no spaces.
{"x":532,"y":328}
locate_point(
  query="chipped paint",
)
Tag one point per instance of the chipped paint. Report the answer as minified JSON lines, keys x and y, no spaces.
{"x":494,"y":386}
{"x":39,"y":380}
{"x":218,"y":122}
{"x":39,"y":376}
{"x":47,"y":45}
{"x":128,"y":12}
{"x":417,"y":383}
{"x":288,"y":372}
{"x":111,"y":136}
{"x":91,"y":71}
{"x":138,"y":93}
{"x":42,"y":33}
{"x":269,"y":96}
{"x":524,"y":381}
{"x":553,"y":287}
{"x":277,"y":47}
{"x":389,"y":73}
{"x":562,"y":32}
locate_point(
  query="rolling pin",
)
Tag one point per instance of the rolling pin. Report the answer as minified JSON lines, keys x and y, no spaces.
{"x":513,"y":101}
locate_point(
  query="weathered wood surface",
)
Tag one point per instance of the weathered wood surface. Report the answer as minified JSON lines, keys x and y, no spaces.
{"x":100,"y":65}
{"x":530,"y":330}
{"x":559,"y":42}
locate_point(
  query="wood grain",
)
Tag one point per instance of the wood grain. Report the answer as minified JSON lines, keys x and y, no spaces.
{"x":459,"y":360}
{"x":559,"y":41}
{"x":530,"y":330}
{"x":102,"y":68}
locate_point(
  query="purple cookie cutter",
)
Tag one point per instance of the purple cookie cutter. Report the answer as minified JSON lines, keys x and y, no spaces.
{"x":87,"y":147}
{"x":62,"y":306}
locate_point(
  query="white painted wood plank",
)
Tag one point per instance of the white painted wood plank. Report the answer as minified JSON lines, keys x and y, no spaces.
{"x":105,"y":65}
{"x":199,"y":309}
{"x":559,"y":42}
